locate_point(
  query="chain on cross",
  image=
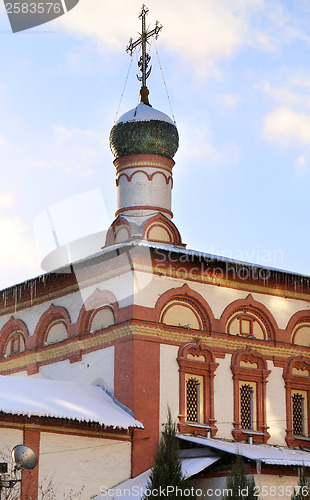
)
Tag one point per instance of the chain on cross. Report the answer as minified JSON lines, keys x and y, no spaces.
{"x":145,"y":57}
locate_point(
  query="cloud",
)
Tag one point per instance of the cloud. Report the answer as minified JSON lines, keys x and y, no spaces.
{"x":69,"y":149}
{"x":199,"y":32}
{"x":197,"y":147}
{"x":287,"y":127}
{"x":6,"y":200}
{"x":301,"y":164}
{"x":294,"y":92}
{"x":229,"y":101}
{"x":16,"y":265}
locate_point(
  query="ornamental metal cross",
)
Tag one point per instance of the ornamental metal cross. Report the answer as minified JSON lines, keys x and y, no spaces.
{"x":145,"y":57}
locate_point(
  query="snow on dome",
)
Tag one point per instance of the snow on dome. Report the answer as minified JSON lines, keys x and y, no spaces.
{"x":61,"y":399}
{"x":144,"y":130}
{"x":144,"y":113}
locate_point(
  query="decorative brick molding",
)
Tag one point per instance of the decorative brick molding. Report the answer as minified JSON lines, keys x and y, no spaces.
{"x":186,"y":294}
{"x":168,"y":178}
{"x":297,"y":321}
{"x":54,"y":313}
{"x":299,"y":382}
{"x":12,"y":326}
{"x":253,"y":307}
{"x":257,"y":374}
{"x":99,"y":299}
{"x":118,"y":224}
{"x":206,"y":369}
{"x":160,"y":221}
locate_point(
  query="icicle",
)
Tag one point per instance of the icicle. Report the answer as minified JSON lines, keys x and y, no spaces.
{"x":15,"y":298}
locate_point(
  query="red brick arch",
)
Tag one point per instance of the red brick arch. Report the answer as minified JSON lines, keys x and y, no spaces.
{"x":185,"y":293}
{"x":297,"y":319}
{"x":257,"y":308}
{"x":100,"y":298}
{"x":11,"y":326}
{"x":53,"y":313}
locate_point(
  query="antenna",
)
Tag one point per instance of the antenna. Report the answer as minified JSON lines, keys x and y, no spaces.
{"x":24,"y":457}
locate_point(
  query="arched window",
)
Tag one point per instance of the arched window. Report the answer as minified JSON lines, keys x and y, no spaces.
{"x":184,"y":313}
{"x":101,"y":318}
{"x":297,"y":385}
{"x":301,"y":334}
{"x":250,"y":374}
{"x":14,"y":344}
{"x":247,"y":323}
{"x":56,"y":332}
{"x":197,"y":368}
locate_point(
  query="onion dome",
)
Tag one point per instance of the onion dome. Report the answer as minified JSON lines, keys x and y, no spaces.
{"x":144,"y":130}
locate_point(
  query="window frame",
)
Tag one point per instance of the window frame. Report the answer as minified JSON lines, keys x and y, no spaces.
{"x":251,"y":317}
{"x":295,"y":383}
{"x":195,"y":360}
{"x":50,"y":326}
{"x":253,"y":409}
{"x":17,"y":335}
{"x":200,"y":398}
{"x":256,"y":376}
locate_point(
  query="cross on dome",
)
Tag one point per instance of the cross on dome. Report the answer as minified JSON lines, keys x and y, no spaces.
{"x":145,"y":57}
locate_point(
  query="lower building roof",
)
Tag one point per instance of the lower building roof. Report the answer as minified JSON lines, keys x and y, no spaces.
{"x":270,"y":455}
{"x":62,"y":399}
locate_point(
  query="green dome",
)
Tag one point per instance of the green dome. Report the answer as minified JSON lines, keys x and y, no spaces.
{"x":144,"y":130}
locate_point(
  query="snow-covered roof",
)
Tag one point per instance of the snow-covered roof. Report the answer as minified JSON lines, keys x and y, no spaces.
{"x":62,"y":399}
{"x":270,"y":455}
{"x":135,"y":488}
{"x":143,"y":113}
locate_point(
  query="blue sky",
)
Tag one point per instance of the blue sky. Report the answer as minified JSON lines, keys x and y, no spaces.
{"x":238,"y":78}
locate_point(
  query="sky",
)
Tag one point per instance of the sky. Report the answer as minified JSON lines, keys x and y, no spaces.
{"x":238,"y":79}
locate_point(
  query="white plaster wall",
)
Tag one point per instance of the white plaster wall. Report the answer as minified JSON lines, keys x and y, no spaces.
{"x":223,"y":398}
{"x":150,"y":288}
{"x":276,"y":412}
{"x":72,"y":302}
{"x":218,"y":297}
{"x":142,"y":191}
{"x":76,"y":462}
{"x":96,"y":368}
{"x":121,"y":286}
{"x":169,"y":383}
{"x":8,"y":439}
{"x":281,"y":308}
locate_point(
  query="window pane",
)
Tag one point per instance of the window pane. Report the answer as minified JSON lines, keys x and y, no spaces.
{"x":246,"y":406}
{"x":298,"y":414}
{"x":192,"y":399}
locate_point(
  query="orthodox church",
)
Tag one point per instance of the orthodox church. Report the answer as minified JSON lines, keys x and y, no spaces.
{"x":93,"y":354}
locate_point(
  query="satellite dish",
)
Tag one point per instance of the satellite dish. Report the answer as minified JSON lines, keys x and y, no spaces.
{"x":24,"y":457}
